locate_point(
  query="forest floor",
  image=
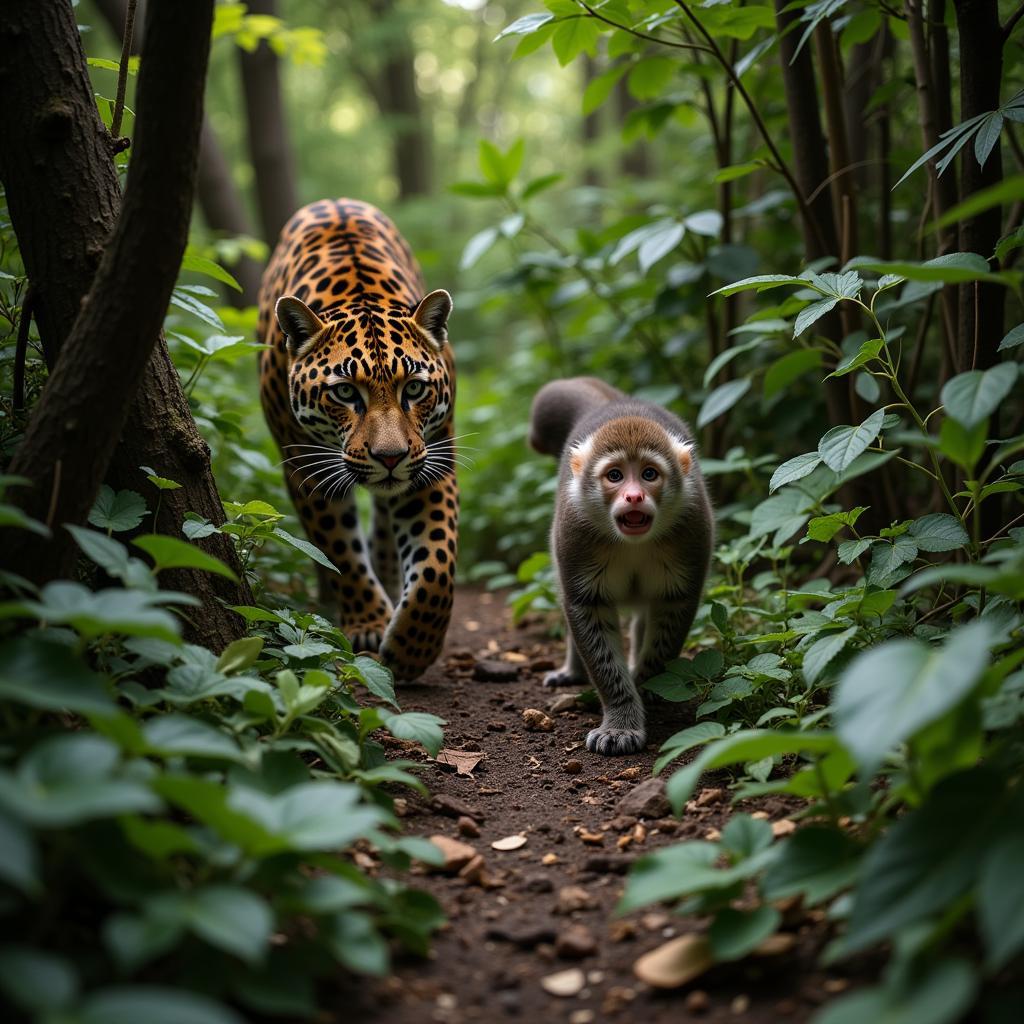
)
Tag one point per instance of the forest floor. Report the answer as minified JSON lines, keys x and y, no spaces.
{"x":517,"y":917}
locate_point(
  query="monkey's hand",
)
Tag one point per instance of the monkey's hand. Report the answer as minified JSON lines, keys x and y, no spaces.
{"x":615,"y":742}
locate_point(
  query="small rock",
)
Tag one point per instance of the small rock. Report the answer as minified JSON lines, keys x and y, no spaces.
{"x":509,"y":843}
{"x":489,"y":671}
{"x":784,"y":827}
{"x":548,"y":859}
{"x":616,"y":999}
{"x":710,"y":796}
{"x":468,"y":827}
{"x":761,"y":815}
{"x":572,"y":766}
{"x":582,"y":1017}
{"x":525,"y":935}
{"x":538,"y":883}
{"x":621,"y":823}
{"x":712,"y":835}
{"x":620,"y":931}
{"x":647,"y":800}
{"x":543,"y":664}
{"x":562,"y":703}
{"x":607,"y":864}
{"x":564,"y":983}
{"x":697,"y":1001}
{"x":572,"y":898}
{"x":775,"y":945}
{"x":537,"y":721}
{"x":590,"y":838}
{"x":655,"y":921}
{"x":575,"y":943}
{"x":496,"y":726}
{"x":453,"y":807}
{"x":633,"y":772}
{"x":675,"y":963}
{"x":456,"y":855}
{"x":740,"y":1005}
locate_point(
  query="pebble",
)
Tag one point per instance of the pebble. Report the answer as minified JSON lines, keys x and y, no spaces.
{"x":564,"y":983}
{"x":572,"y":898}
{"x":582,"y":1017}
{"x":523,"y":935}
{"x":490,"y":671}
{"x":697,"y":1001}
{"x":538,"y":883}
{"x":710,"y":796}
{"x":468,"y":827}
{"x":647,"y":800}
{"x":740,"y":1005}
{"x":543,"y":664}
{"x":537,"y":721}
{"x":562,"y":703}
{"x":572,"y":766}
{"x":456,"y":855}
{"x":575,"y":943}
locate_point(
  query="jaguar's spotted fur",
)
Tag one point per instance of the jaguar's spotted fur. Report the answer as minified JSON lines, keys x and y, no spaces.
{"x":358,"y":386}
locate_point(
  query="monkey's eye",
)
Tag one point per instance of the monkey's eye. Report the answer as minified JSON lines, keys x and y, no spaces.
{"x":347,"y":394}
{"x":613,"y":475}
{"x":650,"y":474}
{"x":414,"y":389}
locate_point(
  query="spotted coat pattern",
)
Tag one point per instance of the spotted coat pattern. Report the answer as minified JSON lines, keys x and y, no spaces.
{"x":371,"y":337}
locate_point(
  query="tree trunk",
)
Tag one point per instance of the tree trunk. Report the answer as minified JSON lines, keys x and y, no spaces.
{"x":636,"y":156}
{"x":219,"y":199}
{"x":591,"y":127}
{"x":269,"y":146}
{"x":981,"y":70}
{"x":68,"y":445}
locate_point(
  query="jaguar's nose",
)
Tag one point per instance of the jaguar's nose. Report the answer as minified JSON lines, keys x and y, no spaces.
{"x":390,"y":459}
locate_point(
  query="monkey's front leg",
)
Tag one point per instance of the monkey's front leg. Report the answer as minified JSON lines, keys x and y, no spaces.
{"x":596,"y":637}
{"x":573,"y":672}
{"x":665,"y":627}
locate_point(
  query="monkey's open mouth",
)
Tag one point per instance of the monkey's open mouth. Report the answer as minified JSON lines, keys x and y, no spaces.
{"x":634,"y":523}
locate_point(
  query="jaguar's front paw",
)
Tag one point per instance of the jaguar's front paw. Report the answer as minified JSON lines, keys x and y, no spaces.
{"x":615,"y":742}
{"x":364,"y":636}
{"x":564,"y":677}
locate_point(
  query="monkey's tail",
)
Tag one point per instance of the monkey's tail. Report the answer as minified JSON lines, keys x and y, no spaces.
{"x":560,"y":405}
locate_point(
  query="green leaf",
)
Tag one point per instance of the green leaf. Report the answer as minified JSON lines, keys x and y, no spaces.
{"x":417,"y":726}
{"x":183,"y":298}
{"x":198,"y":264}
{"x":739,"y":748}
{"x":812,"y":313}
{"x":36,"y":980}
{"x":928,"y":858}
{"x":672,"y":872}
{"x":962,"y":445}
{"x":356,"y":944}
{"x":743,"y":836}
{"x":130,"y":1004}
{"x":760,"y":283}
{"x":686,"y":739}
{"x":239,"y":654}
{"x":109,"y":554}
{"x":49,"y":676}
{"x":824,"y":528}
{"x":525,"y":25}
{"x":229,"y":917}
{"x":123,"y":510}
{"x":376,"y":678}
{"x":305,"y":547}
{"x":541,"y":184}
{"x":938,"y":532}
{"x":1001,"y":900}
{"x":1006,"y":191}
{"x":735,"y":933}
{"x":821,"y":652}
{"x":649,"y":77}
{"x":794,"y":469}
{"x":841,"y":445}
{"x":177,"y":735}
{"x":891,"y":692}
{"x":850,"y":550}
{"x":815,"y":863}
{"x":660,"y":239}
{"x":971,"y":397}
{"x":172,"y":553}
{"x":574,"y":36}
{"x":789,"y":368}
{"x":1013,"y":338}
{"x":868,"y":350}
{"x":952,"y":268}
{"x":19,"y":861}
{"x":722,"y":399}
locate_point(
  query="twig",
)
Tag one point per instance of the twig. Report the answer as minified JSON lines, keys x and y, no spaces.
{"x":1011,"y":22}
{"x":122,"y":74}
{"x":762,"y":128}
{"x":21,"y":350}
{"x":641,"y":35}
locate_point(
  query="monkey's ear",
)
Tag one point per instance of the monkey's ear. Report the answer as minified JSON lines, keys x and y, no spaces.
{"x":299,"y":323}
{"x":432,"y":315}
{"x":684,"y":453}
{"x":579,"y":453}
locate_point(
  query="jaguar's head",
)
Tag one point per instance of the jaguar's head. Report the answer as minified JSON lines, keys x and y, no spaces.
{"x":372,"y":388}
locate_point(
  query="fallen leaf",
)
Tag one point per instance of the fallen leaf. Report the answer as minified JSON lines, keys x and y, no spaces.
{"x":509,"y":843}
{"x":633,"y":772}
{"x":676,"y":962}
{"x":463,"y":761}
{"x":534,"y":762}
{"x":564,"y":983}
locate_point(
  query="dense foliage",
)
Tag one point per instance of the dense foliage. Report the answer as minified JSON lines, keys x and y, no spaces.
{"x":859,"y":417}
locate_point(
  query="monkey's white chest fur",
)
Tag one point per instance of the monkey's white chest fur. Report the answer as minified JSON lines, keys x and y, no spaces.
{"x":634,"y":575}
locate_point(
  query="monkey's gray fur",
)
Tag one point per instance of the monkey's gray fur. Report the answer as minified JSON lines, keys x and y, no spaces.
{"x":657,"y":578}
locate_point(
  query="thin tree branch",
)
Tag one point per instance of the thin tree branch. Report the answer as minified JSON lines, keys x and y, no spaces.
{"x":642,"y":35}
{"x":122,"y":74}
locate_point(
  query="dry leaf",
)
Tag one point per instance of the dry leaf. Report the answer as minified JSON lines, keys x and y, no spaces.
{"x":631,"y":773}
{"x":534,"y":763}
{"x":676,"y":962}
{"x":509,"y":843}
{"x":590,"y":838}
{"x":564,"y":983}
{"x":463,"y":761}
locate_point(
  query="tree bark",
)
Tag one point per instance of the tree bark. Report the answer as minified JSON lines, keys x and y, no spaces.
{"x":270,"y":149}
{"x":219,"y":199}
{"x":104,"y":350}
{"x":981,"y":70}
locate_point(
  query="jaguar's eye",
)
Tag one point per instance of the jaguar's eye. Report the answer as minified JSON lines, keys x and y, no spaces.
{"x":344,"y":393}
{"x":414,"y":389}
{"x":650,"y":474}
{"x":613,"y":475}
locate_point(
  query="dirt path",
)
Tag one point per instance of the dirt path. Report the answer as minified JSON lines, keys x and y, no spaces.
{"x":547,"y":906}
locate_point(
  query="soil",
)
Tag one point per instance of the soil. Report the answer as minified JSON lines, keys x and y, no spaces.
{"x":548,"y":906}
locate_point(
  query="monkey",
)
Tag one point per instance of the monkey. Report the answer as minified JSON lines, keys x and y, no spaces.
{"x":632,"y":532}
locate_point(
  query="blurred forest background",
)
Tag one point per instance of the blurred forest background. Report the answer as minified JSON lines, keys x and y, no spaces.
{"x":797,"y":224}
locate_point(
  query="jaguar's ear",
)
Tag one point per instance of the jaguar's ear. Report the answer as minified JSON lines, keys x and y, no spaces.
{"x":299,"y":323}
{"x":432,"y":315}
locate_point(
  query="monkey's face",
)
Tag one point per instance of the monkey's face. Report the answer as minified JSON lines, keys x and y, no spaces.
{"x":633,"y":492}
